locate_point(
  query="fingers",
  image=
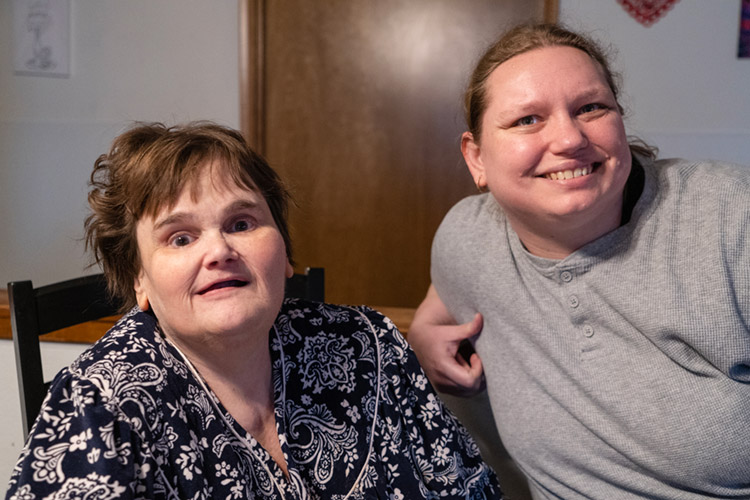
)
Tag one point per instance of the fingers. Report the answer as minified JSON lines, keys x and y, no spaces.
{"x":436,"y":338}
{"x":461,"y":377}
{"x":477,"y":369}
{"x":474,"y":327}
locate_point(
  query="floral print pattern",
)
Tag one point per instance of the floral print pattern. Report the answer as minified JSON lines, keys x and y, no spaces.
{"x":355,"y":414}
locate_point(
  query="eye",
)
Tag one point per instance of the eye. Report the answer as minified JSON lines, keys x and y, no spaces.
{"x":526,"y":121}
{"x":240,"y":225}
{"x":592,"y":107}
{"x":180,"y":240}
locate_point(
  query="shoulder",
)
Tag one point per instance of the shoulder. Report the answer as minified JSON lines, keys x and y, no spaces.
{"x":473,"y":208}
{"x":116,"y":379}
{"x":474,"y":217}
{"x":709,"y":194}
{"x":470,"y":227}
{"x":302,"y":324}
{"x":705,"y":205}
{"x":134,"y":337}
{"x":124,"y":368}
{"x":701,"y":175}
{"x":303,"y":318}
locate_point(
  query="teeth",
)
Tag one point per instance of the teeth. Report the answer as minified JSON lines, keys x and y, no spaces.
{"x":569,"y":174}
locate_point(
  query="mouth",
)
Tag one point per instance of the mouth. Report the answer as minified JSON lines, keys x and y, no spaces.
{"x":223,"y":284}
{"x":562,"y":175}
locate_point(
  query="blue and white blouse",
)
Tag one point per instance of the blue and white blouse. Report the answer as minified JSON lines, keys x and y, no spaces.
{"x":355,"y":414}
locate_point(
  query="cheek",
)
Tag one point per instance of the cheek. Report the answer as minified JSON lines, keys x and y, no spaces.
{"x":270,"y":254}
{"x":167,"y":279}
{"x":625,"y":154}
{"x":528,"y":150}
{"x":513,"y":157}
{"x":613,"y":135}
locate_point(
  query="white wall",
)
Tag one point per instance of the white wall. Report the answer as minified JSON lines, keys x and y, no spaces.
{"x":147,"y":60}
{"x":163,"y":60}
{"x":685,"y":88}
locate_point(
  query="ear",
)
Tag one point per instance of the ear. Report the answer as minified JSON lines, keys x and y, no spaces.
{"x":141,"y":297}
{"x":473,"y":157}
{"x":289,"y":269}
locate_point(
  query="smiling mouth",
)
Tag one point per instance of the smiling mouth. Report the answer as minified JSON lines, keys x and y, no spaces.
{"x":572,"y":174}
{"x":224,"y":284}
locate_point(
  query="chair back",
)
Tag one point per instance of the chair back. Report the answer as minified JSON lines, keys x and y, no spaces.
{"x":310,"y":285}
{"x":38,"y":311}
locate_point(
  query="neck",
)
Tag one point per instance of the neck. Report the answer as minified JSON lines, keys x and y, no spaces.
{"x":559,"y":237}
{"x":242,"y":380}
{"x":227,"y":367}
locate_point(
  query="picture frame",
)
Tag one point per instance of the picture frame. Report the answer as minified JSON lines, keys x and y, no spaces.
{"x":41,"y":38}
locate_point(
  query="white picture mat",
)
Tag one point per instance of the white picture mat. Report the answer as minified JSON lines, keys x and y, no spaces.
{"x":41,"y":37}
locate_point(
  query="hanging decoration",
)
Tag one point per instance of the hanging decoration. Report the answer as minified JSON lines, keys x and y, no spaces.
{"x":647,"y":12}
{"x":744,"y":48}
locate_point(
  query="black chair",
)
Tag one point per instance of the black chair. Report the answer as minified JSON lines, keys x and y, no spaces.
{"x":310,"y":285}
{"x":38,"y":311}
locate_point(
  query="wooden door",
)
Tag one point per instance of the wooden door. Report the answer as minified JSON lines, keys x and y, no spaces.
{"x":358,"y":105}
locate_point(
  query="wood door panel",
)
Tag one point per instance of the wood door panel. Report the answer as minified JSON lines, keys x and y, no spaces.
{"x":360,"y":112}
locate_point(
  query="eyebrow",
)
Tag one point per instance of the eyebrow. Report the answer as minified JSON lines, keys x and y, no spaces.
{"x":593,"y":93}
{"x":525,"y":107}
{"x":181,"y":217}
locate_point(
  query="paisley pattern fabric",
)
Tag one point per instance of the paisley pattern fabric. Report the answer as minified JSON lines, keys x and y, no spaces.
{"x":355,"y":414}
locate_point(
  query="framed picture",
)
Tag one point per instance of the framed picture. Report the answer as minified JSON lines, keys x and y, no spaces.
{"x":41,"y":37}
{"x":743,"y":50}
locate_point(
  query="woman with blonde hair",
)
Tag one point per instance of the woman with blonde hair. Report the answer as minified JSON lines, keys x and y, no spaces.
{"x":611,"y":289}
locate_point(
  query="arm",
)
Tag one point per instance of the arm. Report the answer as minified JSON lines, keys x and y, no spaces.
{"x":71,"y":449}
{"x":436,"y":338}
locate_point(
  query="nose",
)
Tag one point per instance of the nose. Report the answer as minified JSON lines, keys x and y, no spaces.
{"x":219,"y":249}
{"x":566,"y":135}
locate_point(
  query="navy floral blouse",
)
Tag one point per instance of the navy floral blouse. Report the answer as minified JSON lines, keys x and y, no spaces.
{"x":355,"y":414}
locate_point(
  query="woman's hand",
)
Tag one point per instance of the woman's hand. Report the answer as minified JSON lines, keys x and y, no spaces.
{"x":435,"y":337}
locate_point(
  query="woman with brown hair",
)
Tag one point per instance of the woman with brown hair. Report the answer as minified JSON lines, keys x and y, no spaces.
{"x":214,"y":385}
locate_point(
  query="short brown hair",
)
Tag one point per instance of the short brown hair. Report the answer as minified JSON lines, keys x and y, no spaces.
{"x":525,"y":38}
{"x":146,"y":169}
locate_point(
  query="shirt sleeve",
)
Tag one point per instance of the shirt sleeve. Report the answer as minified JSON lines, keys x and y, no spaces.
{"x":77,"y":448}
{"x":421,"y":431}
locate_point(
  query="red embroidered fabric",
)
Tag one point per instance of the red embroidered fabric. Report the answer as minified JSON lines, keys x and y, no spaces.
{"x":647,"y":12}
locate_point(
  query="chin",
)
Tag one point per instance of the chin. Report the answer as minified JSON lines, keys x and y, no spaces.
{"x":571,"y":209}
{"x":258,"y":319}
